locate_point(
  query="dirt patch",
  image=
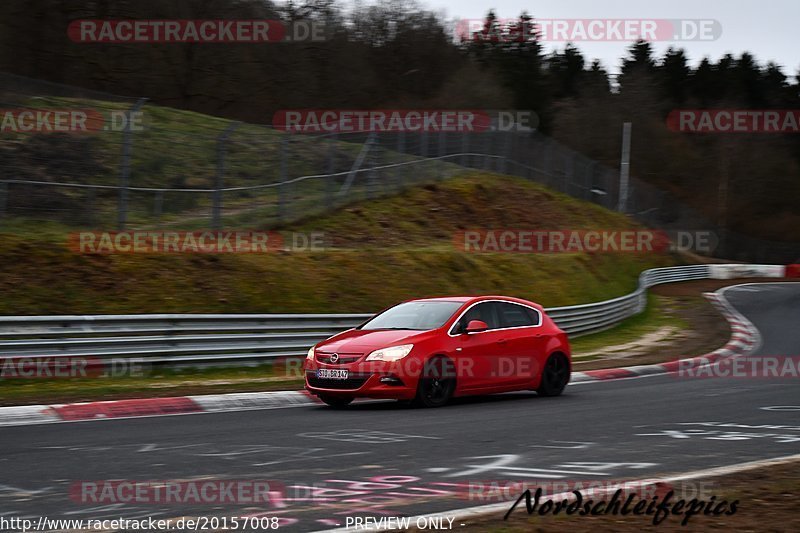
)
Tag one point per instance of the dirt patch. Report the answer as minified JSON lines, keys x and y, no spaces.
{"x":707,"y":331}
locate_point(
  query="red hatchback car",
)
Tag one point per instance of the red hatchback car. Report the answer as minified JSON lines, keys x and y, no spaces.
{"x":429,"y":350}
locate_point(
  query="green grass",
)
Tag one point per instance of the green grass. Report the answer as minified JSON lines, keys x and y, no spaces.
{"x":380,"y":252}
{"x":153,"y":382}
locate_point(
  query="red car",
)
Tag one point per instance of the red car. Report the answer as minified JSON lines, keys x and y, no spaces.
{"x":429,"y":350}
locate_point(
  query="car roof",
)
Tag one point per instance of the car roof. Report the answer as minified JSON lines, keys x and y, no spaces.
{"x":461,"y":299}
{"x":466,"y":299}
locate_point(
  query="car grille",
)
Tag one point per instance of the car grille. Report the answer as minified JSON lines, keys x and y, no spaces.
{"x":353,"y":382}
{"x":344,"y":358}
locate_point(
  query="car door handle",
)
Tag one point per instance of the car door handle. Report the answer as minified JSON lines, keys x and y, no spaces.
{"x":502,"y":341}
{"x":537,"y":335}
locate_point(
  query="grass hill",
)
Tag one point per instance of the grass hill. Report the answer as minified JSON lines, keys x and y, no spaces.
{"x":379,"y":251}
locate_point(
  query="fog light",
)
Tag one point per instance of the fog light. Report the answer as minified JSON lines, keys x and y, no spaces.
{"x":391,"y":380}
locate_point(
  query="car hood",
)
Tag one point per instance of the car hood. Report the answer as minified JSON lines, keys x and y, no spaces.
{"x":361,"y":341}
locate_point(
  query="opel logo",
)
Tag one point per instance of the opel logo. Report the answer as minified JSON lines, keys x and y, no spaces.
{"x":334,"y":358}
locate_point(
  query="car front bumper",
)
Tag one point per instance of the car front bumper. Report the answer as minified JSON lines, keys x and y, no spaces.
{"x":365,"y":380}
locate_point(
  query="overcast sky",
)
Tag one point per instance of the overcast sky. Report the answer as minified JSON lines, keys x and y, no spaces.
{"x":770,"y":29}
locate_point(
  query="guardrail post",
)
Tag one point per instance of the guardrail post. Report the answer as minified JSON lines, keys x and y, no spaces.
{"x":216,"y":211}
{"x":125,"y":165}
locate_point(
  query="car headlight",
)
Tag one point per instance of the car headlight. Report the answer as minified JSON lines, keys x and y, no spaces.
{"x":310,"y":355}
{"x":392,"y":353}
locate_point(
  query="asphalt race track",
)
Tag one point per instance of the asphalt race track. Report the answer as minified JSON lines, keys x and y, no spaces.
{"x":414,"y":460}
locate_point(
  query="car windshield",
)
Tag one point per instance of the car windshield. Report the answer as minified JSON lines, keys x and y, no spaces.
{"x":414,"y":315}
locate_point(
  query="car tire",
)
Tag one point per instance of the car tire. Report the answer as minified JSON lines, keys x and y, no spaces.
{"x":555,"y":375}
{"x":437,"y":383}
{"x":336,"y":402}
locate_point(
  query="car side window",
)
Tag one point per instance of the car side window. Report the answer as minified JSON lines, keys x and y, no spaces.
{"x":535,"y":315}
{"x":514,"y":316}
{"x":484,"y":312}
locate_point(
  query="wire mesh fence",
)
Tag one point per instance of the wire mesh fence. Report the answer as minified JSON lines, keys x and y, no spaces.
{"x":92,"y":160}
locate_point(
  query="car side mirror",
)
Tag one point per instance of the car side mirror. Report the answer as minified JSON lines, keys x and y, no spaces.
{"x":476,"y":326}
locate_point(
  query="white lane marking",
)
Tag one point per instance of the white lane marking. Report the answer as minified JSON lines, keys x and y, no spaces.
{"x":579,"y":445}
{"x":503,"y":464}
{"x":781,"y":408}
{"x":364,"y":436}
{"x":465,"y":513}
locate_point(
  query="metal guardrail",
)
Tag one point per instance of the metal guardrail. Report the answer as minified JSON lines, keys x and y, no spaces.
{"x":206,"y":338}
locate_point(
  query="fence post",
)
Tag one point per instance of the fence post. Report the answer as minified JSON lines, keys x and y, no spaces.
{"x":216,"y":212}
{"x":547,"y":163}
{"x":506,"y":152}
{"x":371,"y":182}
{"x":329,"y":166}
{"x":624,"y":167}
{"x":3,"y":198}
{"x":125,"y":165}
{"x":282,"y":192}
{"x":465,"y":148}
{"x":91,"y":200}
{"x":499,"y":147}
{"x":401,"y":149}
{"x":159,"y":206}
{"x":442,"y":143}
{"x":569,"y":174}
{"x":424,"y":144}
{"x":487,"y":148}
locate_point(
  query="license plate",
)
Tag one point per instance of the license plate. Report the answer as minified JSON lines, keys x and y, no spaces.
{"x":331,"y":373}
